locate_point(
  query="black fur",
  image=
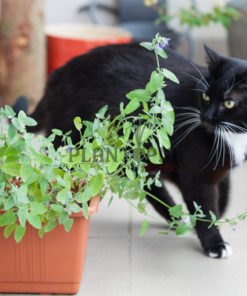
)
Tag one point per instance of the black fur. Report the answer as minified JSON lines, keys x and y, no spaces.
{"x":105,"y":75}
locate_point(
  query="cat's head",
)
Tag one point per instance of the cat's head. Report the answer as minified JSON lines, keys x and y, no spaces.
{"x":223,"y":99}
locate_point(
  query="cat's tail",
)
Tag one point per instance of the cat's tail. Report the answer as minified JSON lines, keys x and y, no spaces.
{"x":38,"y":115}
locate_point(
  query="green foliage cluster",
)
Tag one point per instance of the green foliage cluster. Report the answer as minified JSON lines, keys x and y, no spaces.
{"x":193,"y":17}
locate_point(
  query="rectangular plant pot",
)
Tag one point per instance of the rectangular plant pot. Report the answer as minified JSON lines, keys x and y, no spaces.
{"x":53,"y":264}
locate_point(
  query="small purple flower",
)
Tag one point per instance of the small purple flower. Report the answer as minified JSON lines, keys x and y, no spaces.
{"x":166,"y":42}
{"x":233,"y":228}
{"x":163,"y":44}
{"x":70,"y":148}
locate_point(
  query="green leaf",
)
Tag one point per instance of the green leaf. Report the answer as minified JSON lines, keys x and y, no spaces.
{"x":132,"y":194}
{"x":183,"y":230}
{"x":22,"y":194}
{"x":51,"y":214}
{"x":147,"y":45}
{"x":193,"y":220}
{"x":85,"y":210}
{"x":12,"y":150}
{"x":132,"y":106}
{"x":79,"y":175}
{"x":57,"y":132}
{"x":142,"y":207}
{"x":78,"y":123}
{"x":34,"y":220}
{"x":142,"y":196}
{"x":64,"y":194}
{"x":44,"y":198}
{"x":213,"y":216}
{"x":12,"y":169}
{"x":57,"y":208}
{"x":29,"y":121}
{"x":130,"y":174}
{"x":176,"y":211}
{"x":43,"y":185}
{"x":85,"y":167}
{"x":50,"y":225}
{"x":38,"y":208}
{"x":96,"y":184}
{"x":11,"y":159}
{"x":126,"y":130}
{"x":61,"y":181}
{"x":10,"y":202}
{"x":144,"y":227}
{"x":42,"y":231}
{"x":9,"y":111}
{"x":63,"y":217}
{"x":154,"y":156}
{"x":163,"y":138}
{"x":76,"y":208}
{"x":110,"y":201}
{"x":22,"y":214}
{"x":87,"y":194}
{"x":19,"y":233}
{"x":155,"y":81}
{"x":2,"y":151}
{"x":68,"y":224}
{"x":168,"y":74}
{"x":155,"y":110}
{"x":7,"y":218}
{"x":112,"y":164}
{"x":103,"y":110}
{"x":142,"y":95}
{"x":142,"y":134}
{"x":12,"y":131}
{"x":26,"y":171}
{"x":44,"y":159}
{"x":168,"y":122}
{"x":161,"y":53}
{"x":9,"y":229}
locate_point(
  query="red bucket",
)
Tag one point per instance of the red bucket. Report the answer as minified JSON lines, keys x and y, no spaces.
{"x":66,"y":41}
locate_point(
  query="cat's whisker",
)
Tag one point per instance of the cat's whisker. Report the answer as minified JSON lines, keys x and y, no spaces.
{"x":213,"y":152}
{"x":188,"y":113}
{"x":220,"y":146}
{"x":197,"y":89}
{"x":189,"y":130}
{"x":229,"y":146}
{"x":223,"y":144}
{"x":200,"y":74}
{"x":185,"y":123}
{"x":202,"y":84}
{"x":235,"y":126}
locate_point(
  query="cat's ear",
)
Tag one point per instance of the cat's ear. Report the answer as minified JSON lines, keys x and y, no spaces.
{"x":214,"y":57}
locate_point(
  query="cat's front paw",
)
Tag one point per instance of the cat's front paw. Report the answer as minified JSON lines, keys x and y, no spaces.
{"x":220,"y":250}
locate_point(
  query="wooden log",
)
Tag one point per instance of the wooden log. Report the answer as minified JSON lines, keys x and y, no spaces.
{"x":22,"y":51}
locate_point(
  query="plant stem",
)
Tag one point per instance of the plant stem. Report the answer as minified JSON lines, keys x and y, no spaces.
{"x":164,"y":204}
{"x":158,"y":63}
{"x":147,"y":213}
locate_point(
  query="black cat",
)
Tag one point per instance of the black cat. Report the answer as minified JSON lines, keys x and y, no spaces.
{"x":210,"y":128}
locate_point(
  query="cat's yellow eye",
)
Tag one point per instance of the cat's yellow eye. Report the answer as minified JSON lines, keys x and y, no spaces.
{"x":205,"y":97}
{"x":229,"y":104}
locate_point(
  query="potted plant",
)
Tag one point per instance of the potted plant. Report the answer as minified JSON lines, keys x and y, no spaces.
{"x":44,"y":195}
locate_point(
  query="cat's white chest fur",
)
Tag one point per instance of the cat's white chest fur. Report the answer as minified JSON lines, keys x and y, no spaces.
{"x":238,"y":143}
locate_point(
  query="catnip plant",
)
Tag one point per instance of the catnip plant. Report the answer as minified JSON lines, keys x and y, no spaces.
{"x":45,"y":187}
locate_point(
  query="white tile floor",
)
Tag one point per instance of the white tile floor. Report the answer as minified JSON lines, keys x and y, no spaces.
{"x":119,"y":262}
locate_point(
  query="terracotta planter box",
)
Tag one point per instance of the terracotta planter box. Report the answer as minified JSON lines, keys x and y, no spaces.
{"x":53,"y":264}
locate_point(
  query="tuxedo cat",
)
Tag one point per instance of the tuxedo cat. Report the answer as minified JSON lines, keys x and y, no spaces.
{"x":210,"y":128}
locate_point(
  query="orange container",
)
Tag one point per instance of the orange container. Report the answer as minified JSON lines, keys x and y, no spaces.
{"x":53,"y":264}
{"x":66,"y":41}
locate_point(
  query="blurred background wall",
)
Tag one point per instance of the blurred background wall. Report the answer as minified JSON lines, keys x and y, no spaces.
{"x":57,"y":11}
